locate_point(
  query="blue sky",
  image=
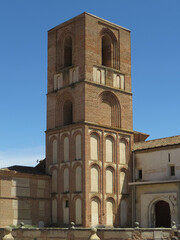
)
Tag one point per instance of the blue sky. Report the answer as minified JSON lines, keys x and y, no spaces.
{"x":155,"y":46}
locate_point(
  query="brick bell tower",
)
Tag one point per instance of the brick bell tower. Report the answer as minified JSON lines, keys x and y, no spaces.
{"x":89,"y":133}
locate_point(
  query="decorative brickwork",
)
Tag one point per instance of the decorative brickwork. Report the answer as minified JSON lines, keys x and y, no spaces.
{"x":90,"y":116}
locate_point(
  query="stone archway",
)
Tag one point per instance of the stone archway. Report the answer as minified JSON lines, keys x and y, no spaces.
{"x":162,"y":206}
{"x":162,"y":214}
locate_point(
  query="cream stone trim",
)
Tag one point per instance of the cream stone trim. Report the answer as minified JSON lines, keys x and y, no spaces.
{"x":109,"y":133}
{"x":66,"y":132}
{"x":110,"y":164}
{"x":153,"y":182}
{"x":76,"y":161}
{"x":75,"y":130}
{"x":90,"y":130}
{"x":98,"y":162}
{"x":54,"y":135}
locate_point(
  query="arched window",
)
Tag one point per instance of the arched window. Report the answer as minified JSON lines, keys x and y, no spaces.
{"x":54,"y":151}
{"x":122,"y":148}
{"x":54,"y":181}
{"x":66,"y":149}
{"x":109,"y":213}
{"x":54,"y":211}
{"x":94,"y":179}
{"x":109,"y":180}
{"x":123,"y":213}
{"x":109,"y":149}
{"x":94,"y":212}
{"x":94,"y":146}
{"x":106,"y":51}
{"x":68,"y":113}
{"x":66,"y":180}
{"x":78,"y":147}
{"x":123,"y":183}
{"x":78,"y":211}
{"x":78,"y":179}
{"x":66,"y":211}
{"x":67,"y":51}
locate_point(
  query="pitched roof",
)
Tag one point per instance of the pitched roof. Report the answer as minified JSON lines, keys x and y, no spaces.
{"x":161,"y":142}
{"x":23,"y":169}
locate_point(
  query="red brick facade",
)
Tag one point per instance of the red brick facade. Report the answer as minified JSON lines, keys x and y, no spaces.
{"x":89,"y":100}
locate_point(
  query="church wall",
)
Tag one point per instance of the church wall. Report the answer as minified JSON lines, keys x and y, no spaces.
{"x":155,"y":164}
{"x":25,"y":198}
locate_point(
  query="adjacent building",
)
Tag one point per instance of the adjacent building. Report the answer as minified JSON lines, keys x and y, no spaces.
{"x":156,"y":182}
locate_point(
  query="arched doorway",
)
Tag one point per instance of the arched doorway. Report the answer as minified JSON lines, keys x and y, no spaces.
{"x":162,"y":214}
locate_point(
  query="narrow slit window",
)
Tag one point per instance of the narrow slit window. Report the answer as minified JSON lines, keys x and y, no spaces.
{"x":169,"y":157}
{"x":140,"y":174}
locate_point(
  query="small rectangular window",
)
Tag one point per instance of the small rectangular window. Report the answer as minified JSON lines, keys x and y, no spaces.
{"x":140,"y":174}
{"x":172,"y":170}
{"x":66,"y":204}
{"x":169,"y":157}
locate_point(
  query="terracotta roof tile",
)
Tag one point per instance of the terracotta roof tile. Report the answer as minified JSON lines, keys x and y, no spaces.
{"x":161,"y":142}
{"x":23,"y":169}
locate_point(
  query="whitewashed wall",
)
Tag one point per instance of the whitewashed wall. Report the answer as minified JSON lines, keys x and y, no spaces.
{"x":155,"y":165}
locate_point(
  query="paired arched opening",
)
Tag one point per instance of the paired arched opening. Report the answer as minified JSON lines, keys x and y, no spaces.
{"x":67,"y":51}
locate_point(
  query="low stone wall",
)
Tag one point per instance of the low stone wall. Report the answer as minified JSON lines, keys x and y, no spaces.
{"x":85,"y":233}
